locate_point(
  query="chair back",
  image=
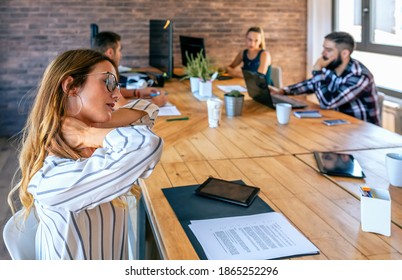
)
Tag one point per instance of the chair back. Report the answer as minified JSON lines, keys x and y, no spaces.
{"x":19,"y":236}
{"x":381,"y":98}
{"x":276,"y":76}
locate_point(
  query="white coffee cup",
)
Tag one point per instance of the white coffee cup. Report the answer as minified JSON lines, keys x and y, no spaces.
{"x":214,"y":111}
{"x":283,"y":111}
{"x":393,"y":164}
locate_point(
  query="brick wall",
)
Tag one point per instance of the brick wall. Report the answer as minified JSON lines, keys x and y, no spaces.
{"x":32,"y":33}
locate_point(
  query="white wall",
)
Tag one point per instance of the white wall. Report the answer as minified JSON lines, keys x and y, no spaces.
{"x":319,"y":24}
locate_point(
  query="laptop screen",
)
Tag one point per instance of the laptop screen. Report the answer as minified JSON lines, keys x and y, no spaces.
{"x":257,"y":87}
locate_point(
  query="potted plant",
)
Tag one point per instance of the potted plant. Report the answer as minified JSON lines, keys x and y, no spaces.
{"x":205,"y":83}
{"x":192,"y":70}
{"x":199,"y":71}
{"x":234,"y":103}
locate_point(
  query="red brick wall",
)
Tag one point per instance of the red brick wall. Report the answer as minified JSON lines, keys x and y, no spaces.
{"x":34,"y":32}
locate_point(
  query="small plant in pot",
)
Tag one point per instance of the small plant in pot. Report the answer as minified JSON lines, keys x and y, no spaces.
{"x":194,"y":70}
{"x":234,"y":103}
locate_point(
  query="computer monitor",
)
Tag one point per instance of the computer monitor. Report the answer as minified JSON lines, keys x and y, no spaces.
{"x":161,"y":46}
{"x":94,"y":30}
{"x":191,"y":45}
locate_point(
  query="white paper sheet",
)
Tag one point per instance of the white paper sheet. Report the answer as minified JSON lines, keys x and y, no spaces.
{"x":254,"y":237}
{"x":234,"y":87}
{"x":168,"y":110}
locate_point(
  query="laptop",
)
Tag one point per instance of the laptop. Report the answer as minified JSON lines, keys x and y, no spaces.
{"x":258,"y":90}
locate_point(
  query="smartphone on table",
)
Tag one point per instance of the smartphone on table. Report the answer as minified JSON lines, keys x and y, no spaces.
{"x":334,"y":122}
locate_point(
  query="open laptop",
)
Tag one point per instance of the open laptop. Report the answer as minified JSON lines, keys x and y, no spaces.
{"x":258,"y":90}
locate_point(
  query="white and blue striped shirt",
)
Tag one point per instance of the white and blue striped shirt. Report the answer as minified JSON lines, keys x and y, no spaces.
{"x":73,"y":197}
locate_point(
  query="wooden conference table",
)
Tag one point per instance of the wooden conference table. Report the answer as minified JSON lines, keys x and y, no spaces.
{"x":278,"y":159}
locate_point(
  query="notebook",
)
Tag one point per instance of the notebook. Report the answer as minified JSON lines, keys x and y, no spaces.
{"x":258,"y":90}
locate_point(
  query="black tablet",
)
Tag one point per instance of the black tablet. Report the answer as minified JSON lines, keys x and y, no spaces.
{"x":228,"y":191}
{"x":338,"y":164}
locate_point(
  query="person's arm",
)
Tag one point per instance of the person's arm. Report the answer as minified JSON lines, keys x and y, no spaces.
{"x":159,"y":100}
{"x":79,"y":135}
{"x":343,"y":91}
{"x":127,"y":153}
{"x":265,"y":62}
{"x":233,"y":68}
{"x":155,"y":95}
{"x":137,"y":111}
{"x":306,"y":86}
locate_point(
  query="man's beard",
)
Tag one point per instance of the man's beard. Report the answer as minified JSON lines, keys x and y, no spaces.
{"x":334,"y":64}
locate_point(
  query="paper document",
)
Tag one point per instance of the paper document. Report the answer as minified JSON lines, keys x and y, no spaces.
{"x":230,"y":88}
{"x":123,"y":69}
{"x":168,"y":110}
{"x":255,"y":237}
{"x":203,"y":98}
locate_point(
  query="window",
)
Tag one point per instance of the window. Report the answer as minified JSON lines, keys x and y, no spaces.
{"x":376,"y":25}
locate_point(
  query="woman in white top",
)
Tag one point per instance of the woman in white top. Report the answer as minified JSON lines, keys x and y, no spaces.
{"x":80,"y":157}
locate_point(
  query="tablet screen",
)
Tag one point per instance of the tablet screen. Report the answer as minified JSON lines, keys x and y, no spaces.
{"x":338,"y":164}
{"x":228,"y":191}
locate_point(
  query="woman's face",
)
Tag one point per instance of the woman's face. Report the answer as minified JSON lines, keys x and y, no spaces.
{"x":253,"y":40}
{"x":93,"y":102}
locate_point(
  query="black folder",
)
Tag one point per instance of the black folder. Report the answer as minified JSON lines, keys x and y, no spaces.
{"x":189,"y":206}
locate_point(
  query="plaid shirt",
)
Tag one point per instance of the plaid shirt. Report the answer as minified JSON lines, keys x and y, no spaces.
{"x":353,"y":93}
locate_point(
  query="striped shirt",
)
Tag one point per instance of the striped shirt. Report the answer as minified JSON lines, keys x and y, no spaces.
{"x":73,"y":198}
{"x":353,"y":93}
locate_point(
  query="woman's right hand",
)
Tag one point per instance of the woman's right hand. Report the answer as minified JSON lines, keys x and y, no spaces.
{"x":74,"y":132}
{"x":79,"y":135}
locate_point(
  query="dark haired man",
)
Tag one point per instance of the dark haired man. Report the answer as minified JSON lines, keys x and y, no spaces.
{"x":340,"y":82}
{"x":109,"y":43}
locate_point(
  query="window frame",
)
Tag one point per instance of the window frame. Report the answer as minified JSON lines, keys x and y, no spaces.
{"x":366,"y":45}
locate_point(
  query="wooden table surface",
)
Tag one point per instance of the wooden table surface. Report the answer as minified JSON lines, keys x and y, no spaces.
{"x":276,"y":158}
{"x":373,"y":164}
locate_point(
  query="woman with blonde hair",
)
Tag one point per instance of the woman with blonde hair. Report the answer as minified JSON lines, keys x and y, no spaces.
{"x":80,"y":157}
{"x":255,"y":58}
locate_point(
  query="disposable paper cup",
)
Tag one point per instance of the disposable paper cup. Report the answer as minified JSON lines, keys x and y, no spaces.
{"x":214,"y":111}
{"x":283,"y":111}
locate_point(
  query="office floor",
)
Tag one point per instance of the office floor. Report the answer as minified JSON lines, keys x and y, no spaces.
{"x":8,"y":165}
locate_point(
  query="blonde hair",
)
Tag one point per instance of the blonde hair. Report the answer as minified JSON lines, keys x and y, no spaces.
{"x":42,"y":132}
{"x":259,"y":30}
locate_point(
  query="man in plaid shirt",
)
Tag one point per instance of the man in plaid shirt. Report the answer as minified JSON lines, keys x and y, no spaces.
{"x":340,"y":82}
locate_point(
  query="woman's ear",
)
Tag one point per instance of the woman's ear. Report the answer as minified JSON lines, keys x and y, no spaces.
{"x":66,"y":85}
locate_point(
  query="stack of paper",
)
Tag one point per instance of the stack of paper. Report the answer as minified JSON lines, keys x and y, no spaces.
{"x":230,"y":88}
{"x":255,"y":237}
{"x":168,"y":110}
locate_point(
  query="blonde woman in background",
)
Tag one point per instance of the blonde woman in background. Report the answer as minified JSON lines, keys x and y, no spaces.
{"x":80,"y":157}
{"x":255,"y":58}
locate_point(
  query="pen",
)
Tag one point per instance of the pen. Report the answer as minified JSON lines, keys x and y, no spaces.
{"x":178,"y":119}
{"x":366,"y":191}
{"x":157,"y":93}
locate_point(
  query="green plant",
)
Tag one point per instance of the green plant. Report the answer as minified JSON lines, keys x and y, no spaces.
{"x":234,"y":93}
{"x":198,"y":66}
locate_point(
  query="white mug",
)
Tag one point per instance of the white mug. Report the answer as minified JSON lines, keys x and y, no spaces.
{"x":283,"y":111}
{"x":393,"y":164}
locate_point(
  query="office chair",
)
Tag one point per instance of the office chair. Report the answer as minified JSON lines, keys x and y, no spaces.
{"x":276,"y":76}
{"x":381,"y":98}
{"x":19,"y":236}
